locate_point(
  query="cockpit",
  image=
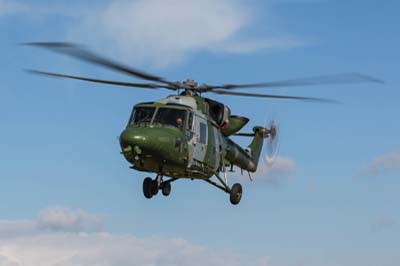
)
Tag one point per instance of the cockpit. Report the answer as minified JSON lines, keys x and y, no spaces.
{"x":167,"y":116}
{"x":170,"y":117}
{"x":141,"y":115}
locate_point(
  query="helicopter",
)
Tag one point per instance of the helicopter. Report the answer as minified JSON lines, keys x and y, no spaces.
{"x":187,"y":135}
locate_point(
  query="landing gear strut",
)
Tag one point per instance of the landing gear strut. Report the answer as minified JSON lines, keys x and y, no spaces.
{"x":235,"y":193}
{"x":152,"y":186}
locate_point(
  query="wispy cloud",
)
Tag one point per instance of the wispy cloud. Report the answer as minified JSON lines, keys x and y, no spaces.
{"x":42,"y":10}
{"x":384,"y":223}
{"x":39,"y":246}
{"x":159,"y":32}
{"x":273,"y":171}
{"x":276,"y":170}
{"x":63,"y":219}
{"x":163,"y":33}
{"x":8,"y":7}
{"x":387,"y":163}
{"x":53,"y":219}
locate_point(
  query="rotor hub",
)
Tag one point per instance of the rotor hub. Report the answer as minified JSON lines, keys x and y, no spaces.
{"x":190,"y":83}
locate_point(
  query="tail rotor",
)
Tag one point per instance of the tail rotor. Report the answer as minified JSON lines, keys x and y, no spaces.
{"x":272,"y":147}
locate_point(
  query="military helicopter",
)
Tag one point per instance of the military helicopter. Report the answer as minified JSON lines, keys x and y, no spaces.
{"x":187,"y":135}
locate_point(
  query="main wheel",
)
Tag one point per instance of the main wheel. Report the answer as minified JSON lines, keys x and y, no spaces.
{"x":236,"y":194}
{"x":147,"y":185}
{"x":154,"y":187}
{"x":166,"y":188}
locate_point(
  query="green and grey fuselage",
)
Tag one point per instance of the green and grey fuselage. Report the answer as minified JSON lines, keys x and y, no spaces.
{"x":187,"y":137}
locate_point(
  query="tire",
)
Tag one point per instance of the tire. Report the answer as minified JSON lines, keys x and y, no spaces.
{"x":154,"y":187}
{"x":147,"y":184}
{"x":236,"y":194}
{"x":166,"y":189}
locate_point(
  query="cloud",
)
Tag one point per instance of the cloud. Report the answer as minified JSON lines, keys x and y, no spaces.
{"x":64,"y":248}
{"x":8,"y":7}
{"x":246,"y":47}
{"x":42,"y":10}
{"x":63,"y":219}
{"x":384,"y":223}
{"x":273,"y":171}
{"x":163,"y":33}
{"x":15,"y":228}
{"x":53,"y":219}
{"x":386,"y":163}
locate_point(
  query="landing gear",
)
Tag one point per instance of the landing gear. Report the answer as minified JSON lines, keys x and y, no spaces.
{"x":236,"y":194}
{"x":152,"y":186}
{"x":147,"y":187}
{"x":166,"y":189}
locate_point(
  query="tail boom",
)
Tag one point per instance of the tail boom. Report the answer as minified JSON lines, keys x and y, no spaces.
{"x":246,"y":159}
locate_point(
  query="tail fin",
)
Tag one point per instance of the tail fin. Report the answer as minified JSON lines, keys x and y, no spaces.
{"x":256,"y":145}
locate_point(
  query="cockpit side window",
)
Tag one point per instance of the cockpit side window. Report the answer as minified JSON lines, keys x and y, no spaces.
{"x":190,"y":121}
{"x":141,"y":115}
{"x":171,"y":117}
{"x":190,"y":126}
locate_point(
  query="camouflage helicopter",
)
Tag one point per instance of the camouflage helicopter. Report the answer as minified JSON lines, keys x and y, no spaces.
{"x":187,"y":135}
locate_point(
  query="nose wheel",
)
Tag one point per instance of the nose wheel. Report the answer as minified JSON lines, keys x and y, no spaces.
{"x":152,"y":186}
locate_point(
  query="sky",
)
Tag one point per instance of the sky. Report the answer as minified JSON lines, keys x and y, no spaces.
{"x":331,"y":198}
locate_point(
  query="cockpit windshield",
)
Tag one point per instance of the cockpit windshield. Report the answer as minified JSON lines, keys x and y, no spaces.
{"x":170,"y":117}
{"x":142,"y":115}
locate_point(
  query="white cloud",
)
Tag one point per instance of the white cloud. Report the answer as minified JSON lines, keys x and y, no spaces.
{"x":165,"y":32}
{"x":15,"y":228}
{"x":384,"y":223}
{"x":53,"y":219}
{"x":63,"y":219}
{"x":162,"y":32}
{"x":386,"y":163}
{"x":8,"y":7}
{"x":40,"y":246}
{"x":41,"y":10}
{"x":273,"y":171}
{"x":246,"y":47}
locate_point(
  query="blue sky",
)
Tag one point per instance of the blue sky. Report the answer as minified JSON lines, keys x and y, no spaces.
{"x":334,"y":201}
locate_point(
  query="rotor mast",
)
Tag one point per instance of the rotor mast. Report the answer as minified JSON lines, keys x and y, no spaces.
{"x":190,"y":87}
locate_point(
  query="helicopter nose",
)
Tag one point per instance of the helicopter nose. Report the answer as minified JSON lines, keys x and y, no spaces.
{"x":149,"y":143}
{"x":137,"y":139}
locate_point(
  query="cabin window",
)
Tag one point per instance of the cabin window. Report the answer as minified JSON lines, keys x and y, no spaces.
{"x":203,"y":133}
{"x":141,"y":115}
{"x":170,"y":117}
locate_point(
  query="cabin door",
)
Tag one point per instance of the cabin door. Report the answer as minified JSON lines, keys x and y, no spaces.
{"x":198,"y":141}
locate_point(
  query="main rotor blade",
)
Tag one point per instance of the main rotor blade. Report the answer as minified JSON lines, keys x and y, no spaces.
{"x":273,"y":96}
{"x":118,"y":83}
{"x":244,"y":134}
{"x":344,"y":78}
{"x":80,"y":53}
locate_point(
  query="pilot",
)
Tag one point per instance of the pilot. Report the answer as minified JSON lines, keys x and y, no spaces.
{"x":179,"y":122}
